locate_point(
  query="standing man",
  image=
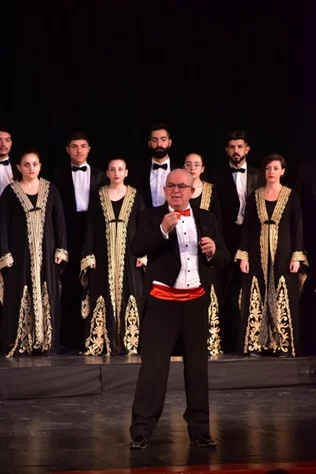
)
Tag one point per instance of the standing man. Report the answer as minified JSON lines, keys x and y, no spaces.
{"x":76,"y":182}
{"x":182,"y":246}
{"x":234,"y":183}
{"x":151,"y":179}
{"x":6,"y":175}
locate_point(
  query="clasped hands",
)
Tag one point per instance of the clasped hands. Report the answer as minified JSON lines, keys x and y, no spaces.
{"x":207,"y":245}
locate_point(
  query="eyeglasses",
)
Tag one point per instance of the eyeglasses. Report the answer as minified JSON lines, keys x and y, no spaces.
{"x":180,"y":187}
{"x":192,"y":165}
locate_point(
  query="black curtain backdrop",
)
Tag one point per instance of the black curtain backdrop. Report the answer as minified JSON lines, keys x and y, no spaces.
{"x":204,"y":67}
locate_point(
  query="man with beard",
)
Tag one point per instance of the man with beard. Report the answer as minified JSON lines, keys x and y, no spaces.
{"x":234,"y":183}
{"x":151,"y":179}
{"x":6,"y":175}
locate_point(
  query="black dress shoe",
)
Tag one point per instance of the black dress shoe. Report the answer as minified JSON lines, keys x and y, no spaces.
{"x":139,"y":442}
{"x":203,"y":440}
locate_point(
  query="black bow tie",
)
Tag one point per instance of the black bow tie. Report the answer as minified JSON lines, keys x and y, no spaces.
{"x":78,"y":168}
{"x":157,"y":167}
{"x":5,"y":162}
{"x":237,"y":170}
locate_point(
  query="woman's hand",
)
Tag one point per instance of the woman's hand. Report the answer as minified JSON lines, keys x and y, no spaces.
{"x":294,"y":267}
{"x":57,"y":260}
{"x":139,"y":263}
{"x":244,"y":266}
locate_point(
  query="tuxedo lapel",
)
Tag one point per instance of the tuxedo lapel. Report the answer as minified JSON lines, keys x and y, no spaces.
{"x":251,"y":181}
{"x":70,"y":189}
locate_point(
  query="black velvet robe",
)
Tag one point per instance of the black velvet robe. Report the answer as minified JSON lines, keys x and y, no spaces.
{"x":30,"y":238}
{"x":112,"y":290}
{"x":208,"y":200}
{"x":270,"y":293}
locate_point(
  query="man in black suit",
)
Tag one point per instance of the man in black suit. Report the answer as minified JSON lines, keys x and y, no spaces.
{"x":234,"y":183}
{"x":76,"y":182}
{"x":150,"y":179}
{"x":182,"y":245}
{"x":6,"y":174}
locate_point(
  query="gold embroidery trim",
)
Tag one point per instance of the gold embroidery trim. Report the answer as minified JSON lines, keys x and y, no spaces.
{"x":98,"y":336}
{"x":131,"y":337}
{"x":299,"y":257}
{"x":23,"y":339}
{"x":35,"y":220}
{"x":254,"y":318}
{"x":1,"y":288}
{"x":86,"y":262}
{"x":6,"y":260}
{"x":48,"y":329}
{"x":241,"y":255}
{"x":116,"y":234}
{"x":206,"y":196}
{"x":284,"y":318}
{"x":85,"y":306}
{"x":63,"y":254}
{"x":214,"y":340}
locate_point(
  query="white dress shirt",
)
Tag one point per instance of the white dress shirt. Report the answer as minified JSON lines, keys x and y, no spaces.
{"x":241,"y":188}
{"x":81,"y":180}
{"x":157,"y":182}
{"x":6,"y":176}
{"x":188,"y":277}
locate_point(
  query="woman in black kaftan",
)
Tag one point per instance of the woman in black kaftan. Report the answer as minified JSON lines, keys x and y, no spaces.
{"x":33,"y":245}
{"x":205,"y":197}
{"x":273,"y":261}
{"x":111,"y":276}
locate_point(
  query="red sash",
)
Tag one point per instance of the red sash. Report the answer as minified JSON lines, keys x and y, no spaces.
{"x":174,"y":294}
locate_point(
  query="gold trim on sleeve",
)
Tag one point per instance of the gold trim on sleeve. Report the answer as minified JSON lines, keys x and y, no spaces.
{"x":299,"y":257}
{"x":86,"y":262}
{"x":241,"y":255}
{"x":6,"y":260}
{"x":62,"y":254}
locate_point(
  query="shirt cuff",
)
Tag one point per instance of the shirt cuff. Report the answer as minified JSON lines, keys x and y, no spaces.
{"x":164,"y":234}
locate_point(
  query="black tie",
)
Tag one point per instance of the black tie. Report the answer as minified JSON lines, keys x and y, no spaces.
{"x":5,"y":162}
{"x":78,"y":168}
{"x":157,"y":167}
{"x":237,"y":170}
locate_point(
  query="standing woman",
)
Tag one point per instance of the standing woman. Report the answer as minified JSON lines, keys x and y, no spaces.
{"x":273,"y":260}
{"x":33,"y":245}
{"x":112,"y":277}
{"x":205,"y":197}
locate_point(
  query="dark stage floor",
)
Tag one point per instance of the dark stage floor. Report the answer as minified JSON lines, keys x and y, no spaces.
{"x":91,"y":433}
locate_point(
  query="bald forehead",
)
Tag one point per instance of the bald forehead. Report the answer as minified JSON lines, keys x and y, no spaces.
{"x":180,"y":176}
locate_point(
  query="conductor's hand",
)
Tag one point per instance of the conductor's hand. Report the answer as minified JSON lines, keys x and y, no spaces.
{"x":294,"y":267}
{"x":169,"y":222}
{"x":208,"y":246}
{"x":244,"y":266}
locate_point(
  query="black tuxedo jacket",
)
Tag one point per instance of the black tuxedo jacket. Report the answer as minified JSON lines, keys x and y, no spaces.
{"x":229,"y":200}
{"x":62,"y":178}
{"x":140,"y":179}
{"x":163,"y":255}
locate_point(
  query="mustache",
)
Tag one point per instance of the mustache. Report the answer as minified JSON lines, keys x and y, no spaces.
{"x":236,"y":154}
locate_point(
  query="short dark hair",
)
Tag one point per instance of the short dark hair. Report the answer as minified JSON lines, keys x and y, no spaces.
{"x":273,"y":157}
{"x":30,"y":151}
{"x":77,"y":136}
{"x":237,"y":135}
{"x":159,"y":126}
{"x":6,"y":130}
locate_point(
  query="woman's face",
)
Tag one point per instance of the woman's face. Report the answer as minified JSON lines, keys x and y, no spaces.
{"x":30,"y":166}
{"x":117,"y":171}
{"x":273,"y":172}
{"x":193,"y":164}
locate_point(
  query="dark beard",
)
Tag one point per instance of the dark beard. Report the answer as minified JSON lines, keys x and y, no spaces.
{"x":236,"y":162}
{"x":160,"y":153}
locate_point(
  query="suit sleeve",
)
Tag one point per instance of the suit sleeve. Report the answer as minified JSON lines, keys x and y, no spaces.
{"x":250,"y":214}
{"x":59,"y":226}
{"x":148,"y":237}
{"x":221,"y":257}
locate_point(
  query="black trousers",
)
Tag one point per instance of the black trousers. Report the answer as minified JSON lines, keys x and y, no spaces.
{"x":164,"y":321}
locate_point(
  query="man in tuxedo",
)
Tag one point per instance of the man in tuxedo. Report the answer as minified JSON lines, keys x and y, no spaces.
{"x":183,"y":246}
{"x":150,"y":180}
{"x":76,"y":181}
{"x":234,"y":183}
{"x":6,"y":175}
{"x":306,"y":188}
